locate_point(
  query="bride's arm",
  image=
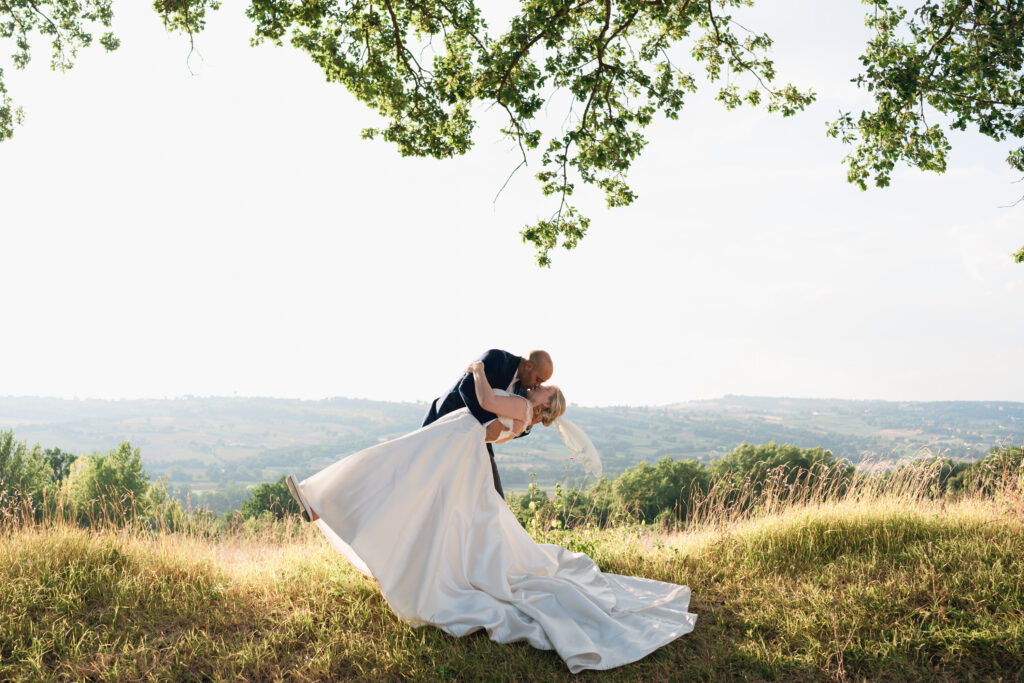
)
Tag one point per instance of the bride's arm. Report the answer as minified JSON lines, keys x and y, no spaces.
{"x":509,"y":406}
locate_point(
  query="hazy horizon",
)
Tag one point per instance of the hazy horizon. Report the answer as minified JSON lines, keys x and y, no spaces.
{"x":426,"y":401}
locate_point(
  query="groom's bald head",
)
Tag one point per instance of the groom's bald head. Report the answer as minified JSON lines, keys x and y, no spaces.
{"x":535,"y":369}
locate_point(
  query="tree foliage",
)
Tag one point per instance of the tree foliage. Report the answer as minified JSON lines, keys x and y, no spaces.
{"x":670,"y":486}
{"x":58,"y":463}
{"x":945,"y":65}
{"x":424,"y":65}
{"x":980,"y":475}
{"x":608,"y":67}
{"x":671,"y":491}
{"x":68,"y":25}
{"x":270,"y":497}
{"x":428,"y":67}
{"x":748,"y":462}
{"x":23,"y":473}
{"x":107,"y":487}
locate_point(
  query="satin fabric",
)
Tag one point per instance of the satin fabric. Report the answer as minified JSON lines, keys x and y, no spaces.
{"x":420,"y":515}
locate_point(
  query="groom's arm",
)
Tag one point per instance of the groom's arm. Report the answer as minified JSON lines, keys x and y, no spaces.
{"x":515,"y":407}
{"x":467,"y":390}
{"x":495,"y":361}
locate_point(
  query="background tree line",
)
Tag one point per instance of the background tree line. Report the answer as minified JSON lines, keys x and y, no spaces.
{"x":670,"y":492}
{"x":213,"y":450}
{"x":111,"y":487}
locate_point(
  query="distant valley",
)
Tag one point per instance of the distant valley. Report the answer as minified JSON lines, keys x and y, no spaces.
{"x":212,"y":443}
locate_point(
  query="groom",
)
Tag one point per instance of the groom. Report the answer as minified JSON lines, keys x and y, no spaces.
{"x":505,"y":371}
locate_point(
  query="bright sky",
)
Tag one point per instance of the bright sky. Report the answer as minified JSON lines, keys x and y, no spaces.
{"x":230,"y":233}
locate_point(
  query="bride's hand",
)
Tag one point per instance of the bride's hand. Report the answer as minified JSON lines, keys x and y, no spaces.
{"x":474,"y":366}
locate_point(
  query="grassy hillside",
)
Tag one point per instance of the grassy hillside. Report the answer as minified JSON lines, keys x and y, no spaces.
{"x":883,"y":589}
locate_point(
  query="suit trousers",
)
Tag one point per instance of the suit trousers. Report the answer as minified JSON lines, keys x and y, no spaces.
{"x":494,"y":471}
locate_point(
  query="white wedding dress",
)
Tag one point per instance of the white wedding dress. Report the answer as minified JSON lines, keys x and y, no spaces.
{"x":421,"y":516}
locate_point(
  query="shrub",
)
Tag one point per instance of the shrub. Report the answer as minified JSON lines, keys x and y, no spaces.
{"x":107,"y":487}
{"x":785,"y":464}
{"x":23,"y":473}
{"x":270,"y":497}
{"x":58,"y":464}
{"x":668,"y":488}
{"x":985,"y":475}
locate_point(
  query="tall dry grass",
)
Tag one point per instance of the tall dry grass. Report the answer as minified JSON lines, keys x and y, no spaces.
{"x":773,"y":491}
{"x":818,"y":578}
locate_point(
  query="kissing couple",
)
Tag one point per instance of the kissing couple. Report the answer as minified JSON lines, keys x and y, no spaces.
{"x":424,"y":515}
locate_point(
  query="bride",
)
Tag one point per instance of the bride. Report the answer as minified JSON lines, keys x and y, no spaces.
{"x":420,"y":515}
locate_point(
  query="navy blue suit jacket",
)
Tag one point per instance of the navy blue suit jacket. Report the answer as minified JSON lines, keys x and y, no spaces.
{"x":499,"y":366}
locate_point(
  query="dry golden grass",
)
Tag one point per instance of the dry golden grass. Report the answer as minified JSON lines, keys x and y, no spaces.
{"x":879,"y":583}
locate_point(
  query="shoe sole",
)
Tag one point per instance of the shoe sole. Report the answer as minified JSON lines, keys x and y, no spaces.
{"x":293,"y":488}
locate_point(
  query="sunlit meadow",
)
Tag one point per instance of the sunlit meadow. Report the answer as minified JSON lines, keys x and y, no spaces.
{"x":876,"y":579}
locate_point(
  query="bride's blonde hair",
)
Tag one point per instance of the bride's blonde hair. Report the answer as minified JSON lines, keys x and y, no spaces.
{"x":554,"y":411}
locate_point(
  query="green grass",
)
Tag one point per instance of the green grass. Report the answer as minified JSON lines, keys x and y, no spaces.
{"x":876,"y":590}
